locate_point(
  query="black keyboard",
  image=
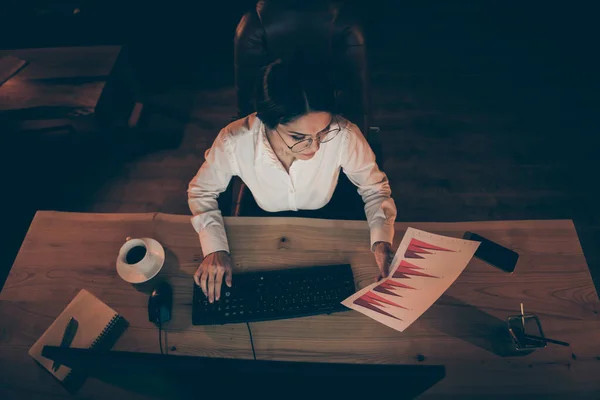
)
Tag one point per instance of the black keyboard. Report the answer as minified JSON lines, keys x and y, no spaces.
{"x":270,"y":295}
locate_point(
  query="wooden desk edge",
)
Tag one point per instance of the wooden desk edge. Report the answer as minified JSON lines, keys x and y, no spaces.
{"x":241,"y":221}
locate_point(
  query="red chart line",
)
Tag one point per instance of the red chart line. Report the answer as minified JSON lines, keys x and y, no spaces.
{"x":374,"y":302}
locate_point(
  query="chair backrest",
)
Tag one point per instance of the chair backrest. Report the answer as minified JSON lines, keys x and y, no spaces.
{"x":285,"y":28}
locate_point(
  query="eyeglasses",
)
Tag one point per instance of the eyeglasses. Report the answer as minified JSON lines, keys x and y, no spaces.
{"x":322,"y":137}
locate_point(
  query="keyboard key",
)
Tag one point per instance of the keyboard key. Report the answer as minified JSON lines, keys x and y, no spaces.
{"x":277,"y":294}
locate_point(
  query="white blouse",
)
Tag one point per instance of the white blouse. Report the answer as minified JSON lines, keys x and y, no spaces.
{"x":242,"y":149}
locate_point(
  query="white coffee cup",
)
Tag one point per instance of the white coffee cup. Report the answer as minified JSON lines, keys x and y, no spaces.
{"x":140,"y":259}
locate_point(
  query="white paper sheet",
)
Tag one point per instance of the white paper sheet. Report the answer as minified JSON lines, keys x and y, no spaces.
{"x":424,"y":267}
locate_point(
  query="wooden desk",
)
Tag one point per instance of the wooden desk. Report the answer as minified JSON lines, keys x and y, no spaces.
{"x":64,"y":252}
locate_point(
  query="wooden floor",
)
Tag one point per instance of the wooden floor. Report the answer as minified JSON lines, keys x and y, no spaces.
{"x":475,"y":124}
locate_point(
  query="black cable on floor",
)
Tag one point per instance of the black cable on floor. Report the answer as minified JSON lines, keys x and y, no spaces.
{"x":251,"y":340}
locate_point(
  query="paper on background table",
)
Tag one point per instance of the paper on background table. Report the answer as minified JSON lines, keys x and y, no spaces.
{"x":423,"y":268}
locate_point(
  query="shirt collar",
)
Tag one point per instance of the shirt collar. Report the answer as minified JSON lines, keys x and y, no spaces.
{"x":263,"y":150}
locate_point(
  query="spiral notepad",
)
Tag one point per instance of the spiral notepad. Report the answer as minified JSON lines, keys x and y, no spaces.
{"x":99,"y":326}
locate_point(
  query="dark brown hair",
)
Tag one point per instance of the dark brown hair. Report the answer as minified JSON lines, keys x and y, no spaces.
{"x":293,"y":89}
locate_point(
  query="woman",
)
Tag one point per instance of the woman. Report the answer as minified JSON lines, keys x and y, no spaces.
{"x":289,"y":155}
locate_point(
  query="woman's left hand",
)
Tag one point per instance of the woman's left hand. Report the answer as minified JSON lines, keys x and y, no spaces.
{"x":383,"y":257}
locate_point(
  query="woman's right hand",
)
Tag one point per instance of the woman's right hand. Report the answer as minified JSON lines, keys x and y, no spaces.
{"x":209,"y":275}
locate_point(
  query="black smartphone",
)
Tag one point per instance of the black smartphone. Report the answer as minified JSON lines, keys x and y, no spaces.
{"x":493,"y":253}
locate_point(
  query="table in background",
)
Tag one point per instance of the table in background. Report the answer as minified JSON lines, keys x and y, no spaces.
{"x":64,"y":252}
{"x":77,"y":87}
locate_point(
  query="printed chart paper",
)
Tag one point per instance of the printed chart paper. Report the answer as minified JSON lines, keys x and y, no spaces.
{"x":424,"y":267}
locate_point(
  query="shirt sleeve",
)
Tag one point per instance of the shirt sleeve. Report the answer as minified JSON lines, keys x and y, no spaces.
{"x":211,"y":180}
{"x":358,"y":163}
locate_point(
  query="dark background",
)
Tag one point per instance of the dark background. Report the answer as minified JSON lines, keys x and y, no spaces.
{"x":464,"y":36}
{"x":488,"y":110}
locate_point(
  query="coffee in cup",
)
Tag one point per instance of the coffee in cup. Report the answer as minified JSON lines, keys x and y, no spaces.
{"x":135,"y":254}
{"x":140,"y":259}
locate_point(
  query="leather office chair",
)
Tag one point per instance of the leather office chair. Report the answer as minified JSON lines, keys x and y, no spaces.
{"x":281,"y":29}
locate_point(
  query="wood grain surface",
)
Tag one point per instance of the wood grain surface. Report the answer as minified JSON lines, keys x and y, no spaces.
{"x":69,"y":77}
{"x":464,"y":330}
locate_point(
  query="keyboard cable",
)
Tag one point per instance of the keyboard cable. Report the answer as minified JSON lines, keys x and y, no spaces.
{"x":251,"y":341}
{"x":160,"y":337}
{"x":160,"y":340}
